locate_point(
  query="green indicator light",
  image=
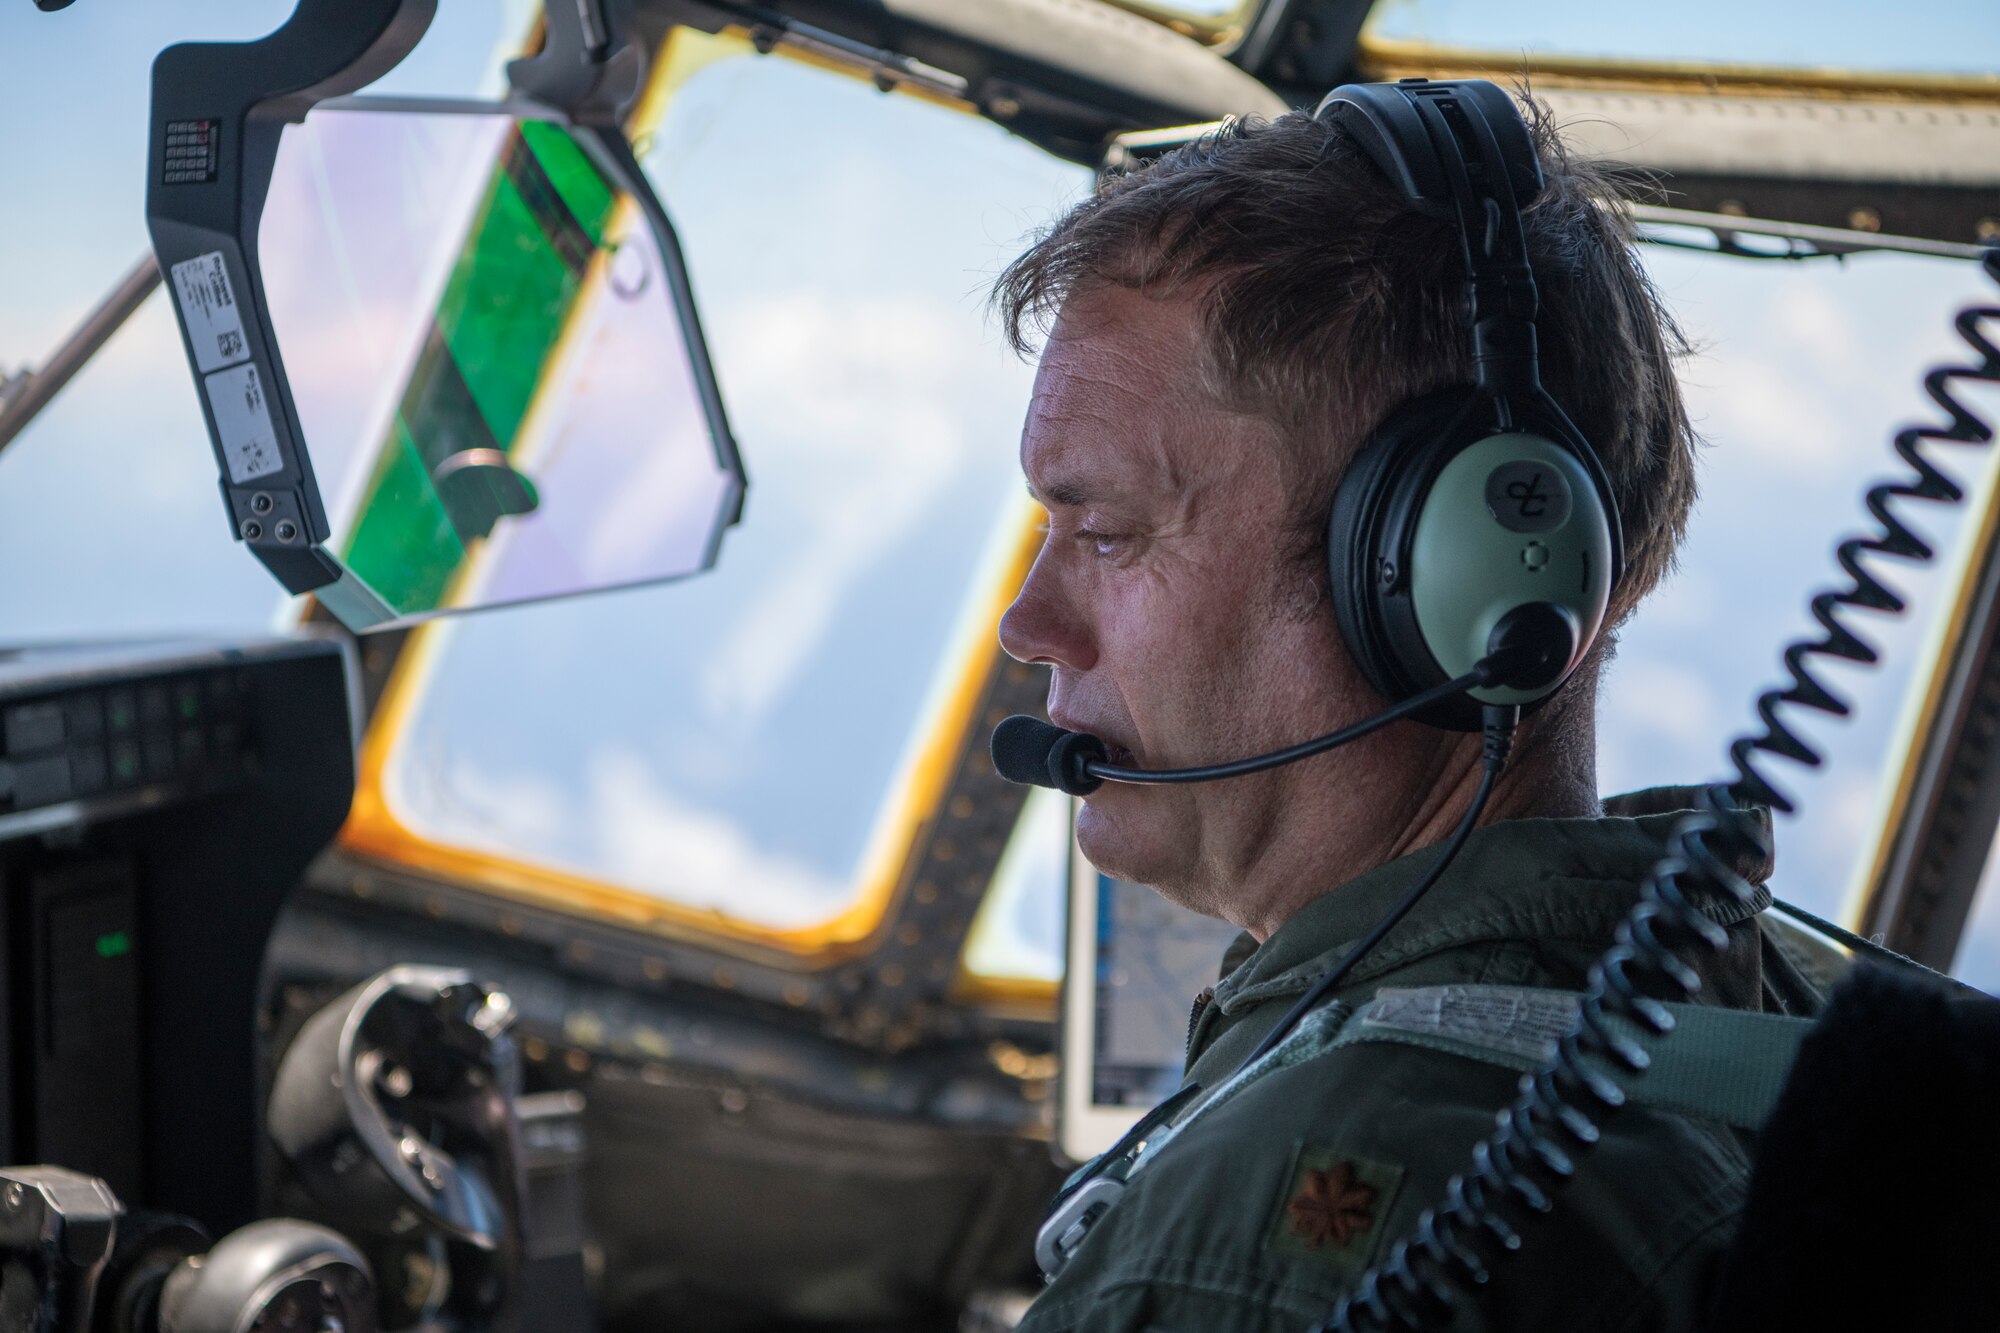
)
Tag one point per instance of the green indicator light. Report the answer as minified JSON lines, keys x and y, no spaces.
{"x":116,"y":943}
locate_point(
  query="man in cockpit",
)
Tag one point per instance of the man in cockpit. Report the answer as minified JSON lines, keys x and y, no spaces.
{"x":1222,"y":329}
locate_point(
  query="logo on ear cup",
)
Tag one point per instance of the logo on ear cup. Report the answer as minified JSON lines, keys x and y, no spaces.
{"x":1527,"y":496}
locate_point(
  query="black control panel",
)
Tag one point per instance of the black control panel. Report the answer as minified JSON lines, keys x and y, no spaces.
{"x":186,"y":732}
{"x":158,"y":802}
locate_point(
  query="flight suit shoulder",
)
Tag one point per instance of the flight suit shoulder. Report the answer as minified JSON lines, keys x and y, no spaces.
{"x":1264,"y":1210}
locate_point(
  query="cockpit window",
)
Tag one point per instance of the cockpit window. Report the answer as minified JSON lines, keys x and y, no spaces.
{"x":1804,"y":372}
{"x":750,"y":752}
{"x":1831,"y":38}
{"x":1017,"y":935}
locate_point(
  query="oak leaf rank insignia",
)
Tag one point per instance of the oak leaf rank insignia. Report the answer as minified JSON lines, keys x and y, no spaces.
{"x":1333,"y":1207}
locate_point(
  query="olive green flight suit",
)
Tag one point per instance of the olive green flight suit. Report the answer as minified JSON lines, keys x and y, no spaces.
{"x":1260,"y":1212}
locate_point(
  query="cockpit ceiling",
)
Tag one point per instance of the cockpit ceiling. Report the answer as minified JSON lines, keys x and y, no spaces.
{"x":1903,"y":153}
{"x":1064,"y":75}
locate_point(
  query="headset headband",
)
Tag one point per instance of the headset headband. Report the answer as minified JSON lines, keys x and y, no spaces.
{"x":1460,"y":151}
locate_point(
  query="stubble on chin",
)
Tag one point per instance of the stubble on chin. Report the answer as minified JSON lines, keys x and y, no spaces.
{"x":1134,"y":835}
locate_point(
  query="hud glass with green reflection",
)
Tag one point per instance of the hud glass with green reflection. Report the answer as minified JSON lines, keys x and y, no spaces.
{"x":486,"y":347}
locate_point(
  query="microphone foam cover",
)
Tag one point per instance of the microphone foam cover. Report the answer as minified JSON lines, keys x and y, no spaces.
{"x":1030,"y":751}
{"x":1021,"y":748}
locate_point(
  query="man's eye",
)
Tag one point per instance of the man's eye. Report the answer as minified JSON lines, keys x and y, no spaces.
{"x":1105,"y":543}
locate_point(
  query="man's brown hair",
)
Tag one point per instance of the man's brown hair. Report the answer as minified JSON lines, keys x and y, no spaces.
{"x":1326,"y":300}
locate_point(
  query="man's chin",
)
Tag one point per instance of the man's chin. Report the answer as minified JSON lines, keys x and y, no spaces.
{"x":1126,"y":843}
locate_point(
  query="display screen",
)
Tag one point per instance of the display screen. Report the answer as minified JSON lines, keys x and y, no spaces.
{"x":1153,"y":958}
{"x":485,"y":338}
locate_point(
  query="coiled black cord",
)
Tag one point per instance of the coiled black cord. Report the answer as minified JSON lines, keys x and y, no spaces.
{"x":1560,"y":1110}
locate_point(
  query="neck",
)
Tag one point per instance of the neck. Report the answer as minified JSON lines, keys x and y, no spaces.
{"x":1401,"y":798}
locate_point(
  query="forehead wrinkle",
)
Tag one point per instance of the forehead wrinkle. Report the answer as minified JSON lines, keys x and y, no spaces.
{"x":1092,"y":433}
{"x":1122,"y":409}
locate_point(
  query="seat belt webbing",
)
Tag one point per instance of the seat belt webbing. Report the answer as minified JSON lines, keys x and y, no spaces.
{"x":1717,"y":1064}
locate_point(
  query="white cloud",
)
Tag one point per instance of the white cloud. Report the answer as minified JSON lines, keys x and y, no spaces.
{"x":1751,"y":401}
{"x":1656,"y":698}
{"x":1687,"y":600}
{"x":462,"y":802}
{"x":1813,"y":319}
{"x":866,"y":399}
{"x":647,"y":838}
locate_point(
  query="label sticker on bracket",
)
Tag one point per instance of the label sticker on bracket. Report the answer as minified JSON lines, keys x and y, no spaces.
{"x":208,"y":308}
{"x":243,"y":423}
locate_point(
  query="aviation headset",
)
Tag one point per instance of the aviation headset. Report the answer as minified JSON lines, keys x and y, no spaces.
{"x":1478,"y":513}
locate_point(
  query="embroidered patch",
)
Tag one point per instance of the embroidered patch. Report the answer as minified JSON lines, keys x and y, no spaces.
{"x":1513,"y":1019}
{"x":1333,"y":1208}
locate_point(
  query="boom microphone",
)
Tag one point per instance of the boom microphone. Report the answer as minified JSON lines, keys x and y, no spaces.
{"x":1530,"y":648}
{"x":1028,"y":750}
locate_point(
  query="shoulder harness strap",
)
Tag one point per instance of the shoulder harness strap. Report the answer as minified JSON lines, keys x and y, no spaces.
{"x":1718,"y":1064}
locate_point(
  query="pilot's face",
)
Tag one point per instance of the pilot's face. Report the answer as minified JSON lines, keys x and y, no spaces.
{"x":1174,"y":599}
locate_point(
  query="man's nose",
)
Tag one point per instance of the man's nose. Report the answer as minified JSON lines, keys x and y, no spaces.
{"x":1042,"y":625}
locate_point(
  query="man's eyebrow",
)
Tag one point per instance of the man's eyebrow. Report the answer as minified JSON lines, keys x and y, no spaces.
{"x":1059,"y":493}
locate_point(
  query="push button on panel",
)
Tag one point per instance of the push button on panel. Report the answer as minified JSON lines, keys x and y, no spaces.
{"x":158,"y":750}
{"x":89,"y":770}
{"x":31,"y":727}
{"x":126,"y":767}
{"x":155,"y":708}
{"x":121,"y":711}
{"x":42,"y":781}
{"x":86,"y":718}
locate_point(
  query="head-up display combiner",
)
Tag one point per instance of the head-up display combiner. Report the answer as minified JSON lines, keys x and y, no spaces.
{"x":446,"y":350}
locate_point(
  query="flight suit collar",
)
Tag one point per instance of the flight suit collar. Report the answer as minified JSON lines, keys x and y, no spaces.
{"x":1518,"y":879}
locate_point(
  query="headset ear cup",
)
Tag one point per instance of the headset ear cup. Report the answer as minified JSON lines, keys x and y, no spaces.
{"x":1360,"y":568}
{"x":1417,"y":495}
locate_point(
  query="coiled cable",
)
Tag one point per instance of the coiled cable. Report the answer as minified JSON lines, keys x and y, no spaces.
{"x":1561,"y":1109}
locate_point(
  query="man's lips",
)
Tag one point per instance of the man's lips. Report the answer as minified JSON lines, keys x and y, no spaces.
{"x":1115,"y":752}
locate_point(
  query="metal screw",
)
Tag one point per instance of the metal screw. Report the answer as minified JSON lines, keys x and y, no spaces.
{"x":287,"y":530}
{"x":261,"y":503}
{"x":251,"y":529}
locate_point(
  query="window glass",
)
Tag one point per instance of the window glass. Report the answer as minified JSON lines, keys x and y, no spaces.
{"x":1210,"y":13}
{"x":486,"y":351}
{"x":1802,"y":370}
{"x":742,"y":746}
{"x":1018,"y":933}
{"x":110,"y":496}
{"x":1978,"y":960}
{"x":109,"y":499}
{"x":1949,"y":36}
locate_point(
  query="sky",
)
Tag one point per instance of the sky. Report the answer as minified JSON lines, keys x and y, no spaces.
{"x":730,"y":741}
{"x":1929,"y":36}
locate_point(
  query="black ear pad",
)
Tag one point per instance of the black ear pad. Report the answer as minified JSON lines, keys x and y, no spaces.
{"x":1401,"y":496}
{"x":1355,"y":567}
